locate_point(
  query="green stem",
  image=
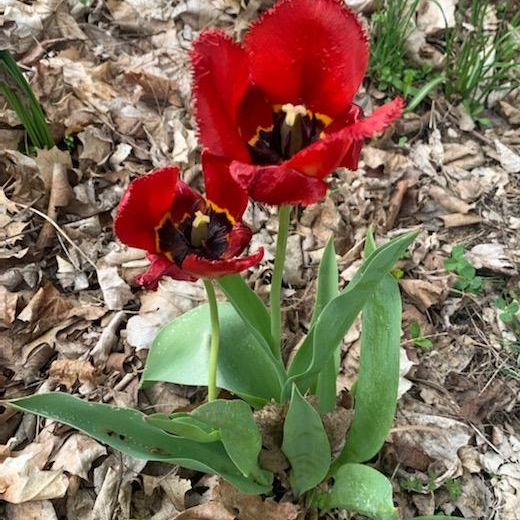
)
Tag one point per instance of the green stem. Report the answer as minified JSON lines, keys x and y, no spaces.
{"x":215,"y":339}
{"x":276,"y":283}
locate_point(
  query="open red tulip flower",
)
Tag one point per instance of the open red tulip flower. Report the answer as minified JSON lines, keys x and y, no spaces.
{"x":280,"y":107}
{"x":185,"y":235}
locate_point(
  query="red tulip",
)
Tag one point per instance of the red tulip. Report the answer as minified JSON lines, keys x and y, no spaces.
{"x":278,"y":108}
{"x":185,"y":235}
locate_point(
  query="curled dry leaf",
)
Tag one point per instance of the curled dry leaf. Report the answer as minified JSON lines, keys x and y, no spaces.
{"x":251,"y":507}
{"x":77,"y":455}
{"x":425,"y":293}
{"x":116,"y":292}
{"x":34,"y":510}
{"x":8,"y":302}
{"x":508,"y":159}
{"x":433,"y":17}
{"x":448,"y":201}
{"x":459,"y":220}
{"x":97,"y":145}
{"x":69,"y":371}
{"x":208,"y":511}
{"x":438,"y":438}
{"x":22,"y":478}
{"x":493,"y":257}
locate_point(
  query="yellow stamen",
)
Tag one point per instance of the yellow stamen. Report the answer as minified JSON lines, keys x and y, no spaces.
{"x":292,"y":112}
{"x":199,"y":229}
{"x":200,"y":219}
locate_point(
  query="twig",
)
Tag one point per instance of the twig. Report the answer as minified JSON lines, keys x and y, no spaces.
{"x":60,"y":231}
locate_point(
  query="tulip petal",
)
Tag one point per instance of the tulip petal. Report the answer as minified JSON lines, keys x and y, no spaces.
{"x":220,"y":81}
{"x":377,"y":121}
{"x":144,"y":205}
{"x":204,"y":268}
{"x":220,"y":186}
{"x":322,"y":157}
{"x":238,"y":239}
{"x":308,"y":52}
{"x":342,"y":148}
{"x":277,"y":185}
{"x":159,"y":267}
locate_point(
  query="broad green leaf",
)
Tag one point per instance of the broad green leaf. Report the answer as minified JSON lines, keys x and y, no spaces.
{"x":184,"y":425}
{"x":333,"y":322}
{"x":126,"y":430}
{"x":249,"y":306}
{"x":305,"y":444}
{"x":180,"y":354}
{"x":378,"y":376}
{"x":239,"y":434}
{"x":360,"y":489}
{"x":325,"y":386}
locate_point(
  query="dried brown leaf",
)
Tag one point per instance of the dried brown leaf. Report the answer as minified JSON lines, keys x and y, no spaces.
{"x":448,"y":201}
{"x":250,"y":507}
{"x":116,"y":292}
{"x":69,"y":371}
{"x":8,"y":302}
{"x":425,"y":293}
{"x":22,"y":479}
{"x":459,"y":219}
{"x":77,"y":455}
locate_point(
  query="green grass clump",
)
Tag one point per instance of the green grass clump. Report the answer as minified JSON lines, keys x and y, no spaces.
{"x":21,"y":99}
{"x":479,"y":59}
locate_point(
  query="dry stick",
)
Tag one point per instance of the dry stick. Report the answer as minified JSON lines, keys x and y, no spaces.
{"x":60,"y":195}
{"x":60,"y":231}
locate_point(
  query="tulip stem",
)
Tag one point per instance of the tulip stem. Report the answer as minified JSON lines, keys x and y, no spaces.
{"x":215,"y":339}
{"x":284,"y":216}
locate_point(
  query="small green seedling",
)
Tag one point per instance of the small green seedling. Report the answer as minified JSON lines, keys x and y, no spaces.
{"x":414,"y":485}
{"x":467,"y":280}
{"x":418,"y":339}
{"x":452,"y":486}
{"x":509,"y":315}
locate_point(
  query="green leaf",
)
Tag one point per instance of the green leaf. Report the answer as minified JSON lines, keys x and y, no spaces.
{"x":126,"y":430}
{"x":467,"y":271}
{"x":239,"y":434}
{"x":184,"y":425}
{"x":328,"y":280}
{"x":378,"y":377}
{"x":360,"y":489}
{"x":423,"y":343}
{"x":325,"y":387}
{"x":339,"y":314}
{"x":461,"y":284}
{"x":249,"y":306}
{"x":180,"y":354}
{"x":475,"y":284}
{"x":415,"y":329}
{"x":451,"y":264}
{"x":305,"y":444}
{"x":458,"y":252}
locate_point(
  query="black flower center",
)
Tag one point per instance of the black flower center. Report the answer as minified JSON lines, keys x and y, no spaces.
{"x":294,"y":128}
{"x":203,"y":232}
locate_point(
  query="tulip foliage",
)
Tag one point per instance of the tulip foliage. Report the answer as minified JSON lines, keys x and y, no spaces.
{"x":276,"y":116}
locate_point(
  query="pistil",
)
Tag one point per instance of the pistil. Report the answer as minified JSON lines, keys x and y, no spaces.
{"x":291,"y":131}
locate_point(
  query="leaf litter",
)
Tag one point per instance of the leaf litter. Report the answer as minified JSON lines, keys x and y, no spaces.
{"x":114,"y":82}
